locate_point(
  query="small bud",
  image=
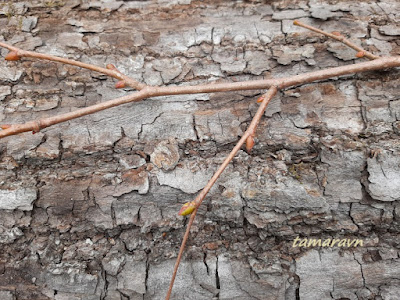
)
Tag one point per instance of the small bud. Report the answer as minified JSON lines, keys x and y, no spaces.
{"x":261,"y":99}
{"x":120,"y":84}
{"x":337,"y":33}
{"x":296,"y":22}
{"x":360,"y":54}
{"x":12,"y":55}
{"x":249,"y":143}
{"x":187,"y":208}
{"x":5,"y":126}
{"x":111,"y":67}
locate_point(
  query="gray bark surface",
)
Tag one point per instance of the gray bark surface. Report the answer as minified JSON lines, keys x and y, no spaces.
{"x":88,"y":208}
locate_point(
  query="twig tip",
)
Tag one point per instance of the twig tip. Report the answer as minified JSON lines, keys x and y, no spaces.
{"x":12,"y":56}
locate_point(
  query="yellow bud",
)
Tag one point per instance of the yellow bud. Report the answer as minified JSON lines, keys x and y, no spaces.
{"x":187,"y":208}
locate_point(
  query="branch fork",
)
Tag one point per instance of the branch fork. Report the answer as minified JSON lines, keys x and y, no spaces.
{"x":144,"y":91}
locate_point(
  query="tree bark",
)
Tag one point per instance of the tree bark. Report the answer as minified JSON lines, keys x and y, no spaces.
{"x":89,"y":208}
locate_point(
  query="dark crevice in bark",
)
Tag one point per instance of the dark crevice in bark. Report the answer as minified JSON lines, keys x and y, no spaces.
{"x":205,"y":263}
{"x":217,"y":280}
{"x":298,"y":288}
{"x":147,"y":272}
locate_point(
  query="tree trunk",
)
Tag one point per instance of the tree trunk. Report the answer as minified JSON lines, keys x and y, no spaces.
{"x":88,"y":208}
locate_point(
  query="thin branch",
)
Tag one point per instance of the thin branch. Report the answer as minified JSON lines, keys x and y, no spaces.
{"x":111,"y":71}
{"x":248,"y":136}
{"x":37,"y":125}
{"x":149,"y":91}
{"x":200,"y":197}
{"x":337,"y":36}
{"x":249,"y":132}
{"x":152,"y":91}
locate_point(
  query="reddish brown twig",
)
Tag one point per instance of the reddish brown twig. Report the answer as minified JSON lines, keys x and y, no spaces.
{"x":152,"y":91}
{"x":337,"y":36}
{"x":17,"y":53}
{"x":200,"y":197}
{"x":248,"y":137}
{"x":37,"y":125}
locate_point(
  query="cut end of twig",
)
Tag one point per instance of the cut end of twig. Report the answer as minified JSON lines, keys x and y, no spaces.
{"x":120,"y":84}
{"x":360,"y":54}
{"x":5,"y":126}
{"x":249,"y":143}
{"x":296,"y":22}
{"x":187,"y":208}
{"x":12,"y":55}
{"x":337,"y":33}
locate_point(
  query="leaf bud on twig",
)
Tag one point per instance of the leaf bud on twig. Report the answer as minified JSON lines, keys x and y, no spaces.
{"x":187,"y":208}
{"x":360,"y":54}
{"x":249,"y":143}
{"x":260,"y":99}
{"x":12,"y":55}
{"x":120,"y":84}
{"x":111,"y":67}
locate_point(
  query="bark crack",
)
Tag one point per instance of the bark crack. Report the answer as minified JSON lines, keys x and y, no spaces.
{"x":361,"y":270}
{"x":217,"y":279}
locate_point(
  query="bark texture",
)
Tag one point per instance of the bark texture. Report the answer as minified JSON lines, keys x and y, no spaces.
{"x":88,"y":209}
